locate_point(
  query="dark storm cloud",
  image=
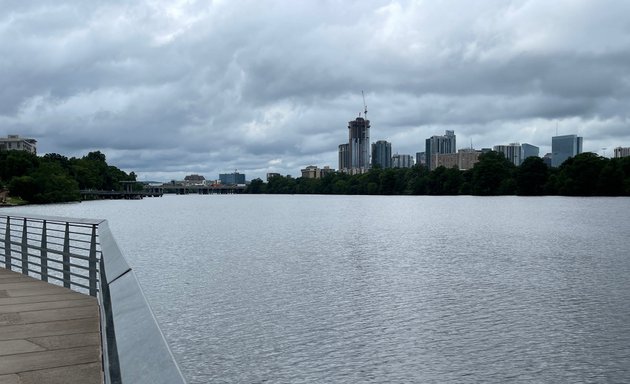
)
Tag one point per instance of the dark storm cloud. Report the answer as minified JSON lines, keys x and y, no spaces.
{"x":168,"y":88}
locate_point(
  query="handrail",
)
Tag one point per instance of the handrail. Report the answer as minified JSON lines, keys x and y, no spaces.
{"x":88,"y":260}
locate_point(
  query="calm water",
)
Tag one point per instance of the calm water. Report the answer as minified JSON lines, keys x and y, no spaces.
{"x":336,"y":289}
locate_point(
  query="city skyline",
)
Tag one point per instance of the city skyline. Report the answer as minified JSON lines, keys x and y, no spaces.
{"x":169,"y":89}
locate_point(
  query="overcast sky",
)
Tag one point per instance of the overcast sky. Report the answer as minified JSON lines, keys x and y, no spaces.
{"x":168,"y":88}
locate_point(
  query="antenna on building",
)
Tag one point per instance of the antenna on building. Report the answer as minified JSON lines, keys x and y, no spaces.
{"x":364,"y":105}
{"x":471,"y":147}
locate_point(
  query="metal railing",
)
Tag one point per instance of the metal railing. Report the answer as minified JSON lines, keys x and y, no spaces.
{"x":81,"y":254}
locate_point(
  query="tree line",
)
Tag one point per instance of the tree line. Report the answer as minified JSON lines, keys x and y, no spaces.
{"x":54,"y":178}
{"x":586,"y":174}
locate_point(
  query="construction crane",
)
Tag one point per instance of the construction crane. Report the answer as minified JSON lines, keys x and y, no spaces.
{"x":364,"y":105}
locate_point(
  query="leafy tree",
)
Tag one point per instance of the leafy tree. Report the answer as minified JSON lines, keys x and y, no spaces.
{"x":387,"y":180}
{"x":54,"y":185}
{"x":578,"y":176}
{"x":16,"y":163}
{"x":55,"y":178}
{"x":490,"y":174}
{"x":445,"y":181}
{"x":531,"y":177}
{"x":610,"y":181}
{"x":24,"y":187}
{"x":255,"y":186}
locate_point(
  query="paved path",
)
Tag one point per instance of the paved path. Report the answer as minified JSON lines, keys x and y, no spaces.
{"x":48,"y":334}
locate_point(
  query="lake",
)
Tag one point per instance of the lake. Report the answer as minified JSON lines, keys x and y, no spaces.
{"x":382,"y":289}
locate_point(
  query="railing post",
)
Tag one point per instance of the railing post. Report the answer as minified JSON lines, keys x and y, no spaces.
{"x":66,"y":257}
{"x":44,"y":253}
{"x":92,"y":263}
{"x":24,"y":250}
{"x":7,"y":245}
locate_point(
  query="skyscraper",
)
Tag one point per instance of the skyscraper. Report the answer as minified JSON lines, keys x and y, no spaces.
{"x":563,"y":147}
{"x":513,"y":152}
{"x":344,"y":157}
{"x":402,"y":161}
{"x":382,"y":154}
{"x":439,"y":144}
{"x":232,"y":178}
{"x":359,"y":140}
{"x":530,"y":150}
{"x":421,"y":159}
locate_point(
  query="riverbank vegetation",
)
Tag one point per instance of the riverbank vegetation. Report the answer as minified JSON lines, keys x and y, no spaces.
{"x":586,"y":174}
{"x":54,"y":178}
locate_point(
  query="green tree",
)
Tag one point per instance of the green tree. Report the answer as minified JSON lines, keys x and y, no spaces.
{"x":531,"y":177}
{"x":24,"y":187}
{"x":579,"y":175}
{"x":54,"y":185}
{"x":492,"y":174}
{"x":610,"y":181}
{"x":388,"y":181}
{"x":17,"y":163}
{"x":256,"y":186}
{"x":445,"y":181}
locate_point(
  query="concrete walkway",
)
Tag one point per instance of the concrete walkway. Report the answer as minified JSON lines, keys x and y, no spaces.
{"x":48,"y":334}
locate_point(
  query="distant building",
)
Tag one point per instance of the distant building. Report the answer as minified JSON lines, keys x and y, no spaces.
{"x":402,"y":161}
{"x":622,"y":152}
{"x":310,"y":172}
{"x":326,"y":171}
{"x":512,"y":152}
{"x":272,"y":174}
{"x":382,"y":154}
{"x":563,"y":147}
{"x":547,"y":159}
{"x":359,"y":144}
{"x":447,"y":160}
{"x":232,"y":178}
{"x":438,"y":145}
{"x":354,"y":157}
{"x":464,"y":159}
{"x":421,"y":158}
{"x":344,"y":157}
{"x":17,"y":143}
{"x":194,"y":180}
{"x":530,"y":151}
{"x":467,"y":158}
{"x":313,"y":172}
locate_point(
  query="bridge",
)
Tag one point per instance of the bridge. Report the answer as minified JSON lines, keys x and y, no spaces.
{"x":71,"y":308}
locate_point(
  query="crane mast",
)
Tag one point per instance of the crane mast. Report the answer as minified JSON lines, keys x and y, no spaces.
{"x":364,"y":105}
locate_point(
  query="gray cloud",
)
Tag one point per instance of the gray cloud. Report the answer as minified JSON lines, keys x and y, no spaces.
{"x":171,"y":88}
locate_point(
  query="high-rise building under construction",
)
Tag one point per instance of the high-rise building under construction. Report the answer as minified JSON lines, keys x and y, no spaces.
{"x":358,"y":160}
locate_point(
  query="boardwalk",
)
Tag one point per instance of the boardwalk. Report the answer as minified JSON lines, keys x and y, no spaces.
{"x":48,"y":334}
